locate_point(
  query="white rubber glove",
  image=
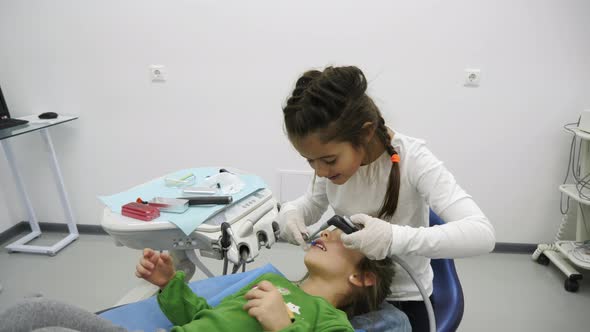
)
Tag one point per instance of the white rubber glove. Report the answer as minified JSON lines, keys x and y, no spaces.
{"x":373,"y":240}
{"x":292,"y":227}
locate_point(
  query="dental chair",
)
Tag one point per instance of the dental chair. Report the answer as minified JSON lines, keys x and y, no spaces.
{"x":447,"y":295}
{"x":447,"y":299}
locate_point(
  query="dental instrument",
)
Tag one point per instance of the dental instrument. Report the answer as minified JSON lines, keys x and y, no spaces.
{"x":343,"y":223}
{"x":315,"y":234}
{"x":179,"y":182}
{"x":198,"y":191}
{"x":335,"y":219}
{"x":173,"y":205}
{"x":205,"y":200}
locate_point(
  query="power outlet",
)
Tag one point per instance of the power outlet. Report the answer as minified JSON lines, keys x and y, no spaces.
{"x":472,"y":77}
{"x":158,"y":73}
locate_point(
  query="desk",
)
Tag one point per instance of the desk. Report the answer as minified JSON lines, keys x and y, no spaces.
{"x":36,"y":124}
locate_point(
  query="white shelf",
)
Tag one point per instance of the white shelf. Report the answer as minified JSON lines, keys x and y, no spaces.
{"x":581,"y":134}
{"x":572,"y":191}
{"x":567,"y":249}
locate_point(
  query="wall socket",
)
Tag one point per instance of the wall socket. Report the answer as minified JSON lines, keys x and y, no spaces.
{"x":158,"y":73}
{"x":472,"y":77}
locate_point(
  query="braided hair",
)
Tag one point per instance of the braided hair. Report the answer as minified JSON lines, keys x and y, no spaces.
{"x":333,"y":104}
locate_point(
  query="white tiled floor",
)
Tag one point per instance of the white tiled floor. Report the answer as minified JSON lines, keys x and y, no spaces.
{"x":503,"y":292}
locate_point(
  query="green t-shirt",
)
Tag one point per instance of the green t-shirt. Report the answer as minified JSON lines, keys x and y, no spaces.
{"x":189,"y":312}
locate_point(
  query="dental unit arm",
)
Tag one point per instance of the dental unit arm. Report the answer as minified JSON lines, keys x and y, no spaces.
{"x":344,"y":224}
{"x":235,"y":234}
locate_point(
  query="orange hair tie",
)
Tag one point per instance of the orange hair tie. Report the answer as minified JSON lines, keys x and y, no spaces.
{"x":395,"y":158}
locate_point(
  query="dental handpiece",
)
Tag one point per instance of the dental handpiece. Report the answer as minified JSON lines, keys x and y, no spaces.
{"x":341,"y":222}
{"x":309,"y":238}
{"x":206,"y":200}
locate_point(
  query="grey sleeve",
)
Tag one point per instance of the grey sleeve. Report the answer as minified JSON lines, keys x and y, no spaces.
{"x":40,"y":313}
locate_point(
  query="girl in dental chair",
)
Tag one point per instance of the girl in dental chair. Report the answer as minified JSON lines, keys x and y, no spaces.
{"x":385,"y":181}
{"x":338,"y":278}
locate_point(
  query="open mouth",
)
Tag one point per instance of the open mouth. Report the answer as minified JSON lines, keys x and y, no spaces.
{"x":334,"y":177}
{"x":319,"y":244}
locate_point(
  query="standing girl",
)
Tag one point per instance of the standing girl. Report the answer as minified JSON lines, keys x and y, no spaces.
{"x":384,"y":180}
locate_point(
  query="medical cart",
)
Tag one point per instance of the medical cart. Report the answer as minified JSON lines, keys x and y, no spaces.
{"x":561,"y":252}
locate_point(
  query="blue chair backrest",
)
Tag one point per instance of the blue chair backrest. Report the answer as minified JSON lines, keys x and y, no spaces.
{"x":447,"y":294}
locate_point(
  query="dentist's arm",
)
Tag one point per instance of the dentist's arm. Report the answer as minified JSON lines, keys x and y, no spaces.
{"x":467,"y":231}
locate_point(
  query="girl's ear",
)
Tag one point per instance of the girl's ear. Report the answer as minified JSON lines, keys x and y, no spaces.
{"x":368,"y":129}
{"x":368,"y":279}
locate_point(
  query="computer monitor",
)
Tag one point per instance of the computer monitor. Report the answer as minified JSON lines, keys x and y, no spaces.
{"x":5,"y":120}
{"x":4,"y":114}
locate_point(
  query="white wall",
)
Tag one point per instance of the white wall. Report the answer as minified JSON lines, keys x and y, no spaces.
{"x":231,"y":64}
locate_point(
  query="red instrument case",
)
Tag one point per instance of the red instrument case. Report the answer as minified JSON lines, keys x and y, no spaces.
{"x":140,"y":211}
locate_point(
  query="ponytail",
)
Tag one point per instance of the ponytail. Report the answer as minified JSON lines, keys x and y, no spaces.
{"x":392,"y":195}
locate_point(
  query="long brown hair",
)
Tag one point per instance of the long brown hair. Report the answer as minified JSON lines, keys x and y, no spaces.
{"x":333,"y":103}
{"x":368,"y":298}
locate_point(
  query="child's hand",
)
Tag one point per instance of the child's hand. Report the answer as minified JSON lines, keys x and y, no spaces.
{"x":266,"y":304}
{"x":155,"y":267}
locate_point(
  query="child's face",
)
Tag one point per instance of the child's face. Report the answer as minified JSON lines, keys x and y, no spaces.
{"x":336,"y":161}
{"x":329,"y":257}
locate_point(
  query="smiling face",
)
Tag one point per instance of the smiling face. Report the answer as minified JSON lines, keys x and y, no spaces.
{"x":329,"y":257}
{"x":336,"y":161}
